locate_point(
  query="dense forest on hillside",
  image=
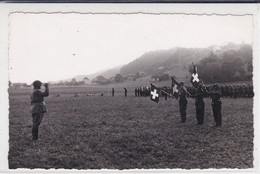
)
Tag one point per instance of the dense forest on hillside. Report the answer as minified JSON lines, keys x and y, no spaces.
{"x":230,"y":66}
{"x":228,"y":63}
{"x":164,"y":59}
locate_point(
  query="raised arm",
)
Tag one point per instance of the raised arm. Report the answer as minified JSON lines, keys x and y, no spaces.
{"x":46,"y":92}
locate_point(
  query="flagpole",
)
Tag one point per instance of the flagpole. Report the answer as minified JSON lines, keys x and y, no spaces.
{"x":169,"y":94}
{"x":181,"y":86}
{"x":186,"y":91}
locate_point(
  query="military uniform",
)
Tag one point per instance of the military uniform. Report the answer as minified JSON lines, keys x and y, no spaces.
{"x":183,"y":103}
{"x":38,"y":109}
{"x":113,"y":92}
{"x":200,"y":105}
{"x":125,"y":92}
{"x":216,"y":105}
{"x":135,"y":91}
{"x":164,"y":94}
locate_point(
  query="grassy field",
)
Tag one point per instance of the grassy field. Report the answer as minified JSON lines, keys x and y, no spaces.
{"x":93,"y":132}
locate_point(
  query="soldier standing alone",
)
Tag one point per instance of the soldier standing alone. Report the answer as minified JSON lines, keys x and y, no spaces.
{"x":113,"y":92}
{"x":38,"y":107}
{"x":125,"y":92}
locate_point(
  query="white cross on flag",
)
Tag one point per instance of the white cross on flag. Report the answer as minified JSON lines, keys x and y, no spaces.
{"x":175,"y":88}
{"x":195,"y":81}
{"x":154,"y":96}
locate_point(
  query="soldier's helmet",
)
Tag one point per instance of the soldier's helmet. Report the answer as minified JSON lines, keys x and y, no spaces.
{"x":37,"y":84}
{"x":181,"y":83}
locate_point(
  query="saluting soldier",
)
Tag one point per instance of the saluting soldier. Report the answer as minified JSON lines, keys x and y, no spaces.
{"x":38,"y":107}
{"x":216,"y":104}
{"x":183,"y":102}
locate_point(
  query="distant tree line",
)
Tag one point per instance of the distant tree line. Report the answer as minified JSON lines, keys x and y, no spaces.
{"x":18,"y":85}
{"x":118,"y":78}
{"x":73,"y":82}
{"x":231,"y":66}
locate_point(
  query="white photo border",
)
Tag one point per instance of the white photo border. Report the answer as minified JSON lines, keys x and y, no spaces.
{"x":158,"y":8}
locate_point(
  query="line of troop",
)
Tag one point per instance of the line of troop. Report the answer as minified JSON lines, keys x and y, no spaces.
{"x":199,"y":91}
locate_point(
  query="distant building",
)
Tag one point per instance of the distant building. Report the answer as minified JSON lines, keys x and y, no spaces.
{"x":87,"y":81}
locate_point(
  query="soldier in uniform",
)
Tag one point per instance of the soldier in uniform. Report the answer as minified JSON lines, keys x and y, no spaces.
{"x":216,"y":104}
{"x":230,"y":90}
{"x":244,"y":90}
{"x":240,"y":91}
{"x":250,"y":90}
{"x":135,"y":91}
{"x":183,"y":102}
{"x":38,"y":107}
{"x":200,"y":104}
{"x":113,"y":92}
{"x":125,"y":92}
{"x":165,"y":95}
{"x":235,"y":91}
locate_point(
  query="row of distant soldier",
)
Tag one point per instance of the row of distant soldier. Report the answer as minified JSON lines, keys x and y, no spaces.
{"x":142,"y":91}
{"x":233,"y":91}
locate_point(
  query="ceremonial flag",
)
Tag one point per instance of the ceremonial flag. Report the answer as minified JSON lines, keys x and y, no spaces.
{"x":195,"y":81}
{"x":154,"y":95}
{"x":175,"y":88}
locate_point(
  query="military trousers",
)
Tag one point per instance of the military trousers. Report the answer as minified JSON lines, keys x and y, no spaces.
{"x":37,"y":119}
{"x":183,"y":108}
{"x":217,"y":114}
{"x":200,"y":107}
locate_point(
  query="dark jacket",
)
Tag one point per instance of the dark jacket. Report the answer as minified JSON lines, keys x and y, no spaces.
{"x":37,"y":101}
{"x":215,"y":97}
{"x":183,"y":95}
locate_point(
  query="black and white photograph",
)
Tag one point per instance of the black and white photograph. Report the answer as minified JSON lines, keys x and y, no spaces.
{"x":90,"y":90}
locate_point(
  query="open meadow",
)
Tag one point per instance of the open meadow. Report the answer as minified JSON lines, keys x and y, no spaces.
{"x":94,"y":132}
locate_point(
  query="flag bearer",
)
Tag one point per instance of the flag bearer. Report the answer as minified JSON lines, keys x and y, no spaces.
{"x":38,"y":106}
{"x":183,"y":102}
{"x":200,"y":104}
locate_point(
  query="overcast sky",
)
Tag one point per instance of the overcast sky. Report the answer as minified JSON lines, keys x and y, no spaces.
{"x":58,"y":46}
